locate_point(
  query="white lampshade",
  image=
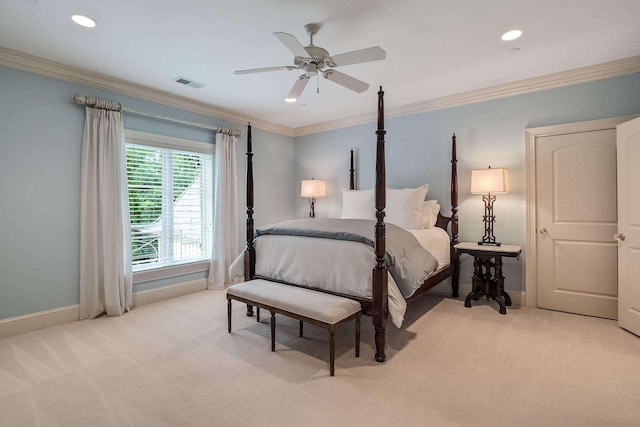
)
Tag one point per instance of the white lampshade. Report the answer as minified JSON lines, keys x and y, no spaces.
{"x":312,"y":188}
{"x":490,"y":180}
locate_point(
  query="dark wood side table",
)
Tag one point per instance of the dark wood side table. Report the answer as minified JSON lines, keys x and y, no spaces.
{"x":485,"y":281}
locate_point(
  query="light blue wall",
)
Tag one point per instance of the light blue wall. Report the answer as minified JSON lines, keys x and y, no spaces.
{"x":489,"y":133}
{"x":40,"y":140}
{"x":40,"y":144}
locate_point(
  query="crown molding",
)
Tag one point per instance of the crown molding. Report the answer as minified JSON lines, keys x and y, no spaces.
{"x":34,"y":64}
{"x":57,"y":70}
{"x":550,"y":81}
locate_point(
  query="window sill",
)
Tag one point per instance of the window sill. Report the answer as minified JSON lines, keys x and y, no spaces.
{"x":169,"y":271}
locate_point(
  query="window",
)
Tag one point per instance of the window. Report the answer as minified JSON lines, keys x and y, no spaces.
{"x":170,"y":200}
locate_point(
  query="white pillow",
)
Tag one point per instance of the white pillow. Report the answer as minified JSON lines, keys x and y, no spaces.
{"x":358,"y":204}
{"x":404,"y":207}
{"x":430,"y":210}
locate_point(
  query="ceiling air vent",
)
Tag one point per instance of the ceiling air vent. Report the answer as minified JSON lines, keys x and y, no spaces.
{"x":189,"y":82}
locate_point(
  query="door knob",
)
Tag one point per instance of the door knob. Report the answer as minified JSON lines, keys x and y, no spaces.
{"x":619,"y":237}
{"x":543,"y":231}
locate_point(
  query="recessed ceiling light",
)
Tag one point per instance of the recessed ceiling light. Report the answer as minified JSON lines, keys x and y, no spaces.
{"x":290,"y":99}
{"x":511,"y":35}
{"x":83,"y":20}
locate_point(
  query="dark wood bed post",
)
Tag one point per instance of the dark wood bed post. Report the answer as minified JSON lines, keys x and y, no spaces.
{"x":250,"y":251}
{"x":455,"y":258}
{"x":352,"y":177}
{"x":380,"y":291}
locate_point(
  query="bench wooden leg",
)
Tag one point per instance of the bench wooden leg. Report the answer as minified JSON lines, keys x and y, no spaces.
{"x":273,"y":331}
{"x":229,"y":314}
{"x":257,"y":314}
{"x":301,"y":323}
{"x":332,"y":349}
{"x":358,"y":335}
{"x":249,"y":310}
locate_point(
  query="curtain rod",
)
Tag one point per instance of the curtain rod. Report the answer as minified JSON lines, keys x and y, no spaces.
{"x":116,"y":106}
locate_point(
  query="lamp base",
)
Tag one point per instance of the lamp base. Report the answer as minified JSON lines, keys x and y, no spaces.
{"x":488,"y":219}
{"x":312,"y":206}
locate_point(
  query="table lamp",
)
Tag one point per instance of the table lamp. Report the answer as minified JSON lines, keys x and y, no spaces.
{"x":312,"y":188}
{"x":489,"y":182}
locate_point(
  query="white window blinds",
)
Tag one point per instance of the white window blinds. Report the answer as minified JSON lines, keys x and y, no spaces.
{"x":171,"y":204}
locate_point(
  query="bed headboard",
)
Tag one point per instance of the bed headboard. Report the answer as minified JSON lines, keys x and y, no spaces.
{"x":442,"y":221}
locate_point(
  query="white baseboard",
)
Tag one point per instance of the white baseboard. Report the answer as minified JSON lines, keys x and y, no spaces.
{"x":42,"y":319}
{"x":154,"y":295}
{"x":58,"y":316}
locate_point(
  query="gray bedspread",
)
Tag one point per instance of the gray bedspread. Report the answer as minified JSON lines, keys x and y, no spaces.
{"x":408,"y":262}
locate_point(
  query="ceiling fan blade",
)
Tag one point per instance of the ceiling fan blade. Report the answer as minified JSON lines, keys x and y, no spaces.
{"x":292,"y":43}
{"x":369,"y":54}
{"x":346,"y":81}
{"x":298,"y":86}
{"x":262,"y":70}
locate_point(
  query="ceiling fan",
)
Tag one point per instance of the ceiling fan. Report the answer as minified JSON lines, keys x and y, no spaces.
{"x":314,"y":60}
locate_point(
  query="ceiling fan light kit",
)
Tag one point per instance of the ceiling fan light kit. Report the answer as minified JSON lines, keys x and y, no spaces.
{"x":316,"y":60}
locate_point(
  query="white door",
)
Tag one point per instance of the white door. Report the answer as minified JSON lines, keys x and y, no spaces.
{"x":629,"y":225}
{"x":576,"y":219}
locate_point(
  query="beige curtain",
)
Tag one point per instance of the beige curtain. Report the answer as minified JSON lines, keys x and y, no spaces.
{"x":105,"y":235}
{"x":225,"y":212}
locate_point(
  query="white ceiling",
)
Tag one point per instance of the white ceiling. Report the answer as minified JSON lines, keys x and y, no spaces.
{"x":434,"y":48}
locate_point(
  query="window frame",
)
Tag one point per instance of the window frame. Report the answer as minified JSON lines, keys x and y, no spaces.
{"x":172,"y":143}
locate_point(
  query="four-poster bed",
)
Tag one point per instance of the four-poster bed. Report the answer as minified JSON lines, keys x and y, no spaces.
{"x":375,"y":301}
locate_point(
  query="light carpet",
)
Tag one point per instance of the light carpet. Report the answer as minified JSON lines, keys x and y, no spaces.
{"x":173,"y":363}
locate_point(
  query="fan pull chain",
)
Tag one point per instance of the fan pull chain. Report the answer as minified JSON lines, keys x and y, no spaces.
{"x":317,"y":82}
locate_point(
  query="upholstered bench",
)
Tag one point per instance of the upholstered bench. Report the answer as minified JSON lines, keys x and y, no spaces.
{"x":305,"y":305}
